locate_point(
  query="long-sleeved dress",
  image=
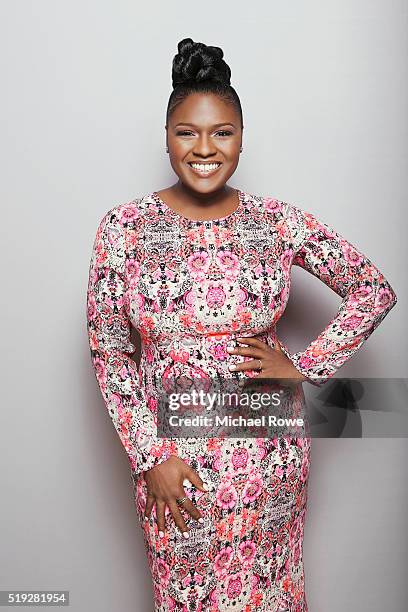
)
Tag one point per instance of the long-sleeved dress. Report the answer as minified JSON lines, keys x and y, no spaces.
{"x":190,"y":288}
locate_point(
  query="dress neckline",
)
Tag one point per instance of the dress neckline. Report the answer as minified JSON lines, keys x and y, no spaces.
{"x":241,"y":196}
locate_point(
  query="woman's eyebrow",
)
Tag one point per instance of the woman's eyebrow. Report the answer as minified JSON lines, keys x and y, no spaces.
{"x":215,"y":125}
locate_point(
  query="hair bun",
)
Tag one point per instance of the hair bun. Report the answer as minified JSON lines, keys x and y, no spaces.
{"x":196,"y":62}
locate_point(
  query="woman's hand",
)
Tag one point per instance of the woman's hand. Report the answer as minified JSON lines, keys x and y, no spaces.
{"x":164,"y":486}
{"x":275,"y":364}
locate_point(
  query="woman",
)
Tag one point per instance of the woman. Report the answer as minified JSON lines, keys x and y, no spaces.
{"x":202,"y":270}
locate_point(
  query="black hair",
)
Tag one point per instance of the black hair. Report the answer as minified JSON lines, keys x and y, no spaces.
{"x":200,"y":68}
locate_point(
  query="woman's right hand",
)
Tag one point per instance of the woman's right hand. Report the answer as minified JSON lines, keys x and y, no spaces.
{"x":165,"y":485}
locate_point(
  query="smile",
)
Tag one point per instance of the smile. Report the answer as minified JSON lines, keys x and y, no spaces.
{"x":204,"y":169}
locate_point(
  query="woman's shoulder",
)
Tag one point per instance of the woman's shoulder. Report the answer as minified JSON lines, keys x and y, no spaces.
{"x":272,"y":206}
{"x":282,"y":209}
{"x":289,"y":220}
{"x":124,"y":214}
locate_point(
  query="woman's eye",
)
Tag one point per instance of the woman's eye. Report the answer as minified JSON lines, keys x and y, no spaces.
{"x":187,"y":132}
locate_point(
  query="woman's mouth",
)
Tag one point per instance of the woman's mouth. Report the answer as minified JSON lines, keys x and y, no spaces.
{"x":204,"y":169}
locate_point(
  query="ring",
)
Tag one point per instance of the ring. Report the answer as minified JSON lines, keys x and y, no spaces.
{"x":260,"y":365}
{"x":180,"y":501}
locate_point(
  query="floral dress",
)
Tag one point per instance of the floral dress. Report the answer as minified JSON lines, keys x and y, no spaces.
{"x":190,"y":288}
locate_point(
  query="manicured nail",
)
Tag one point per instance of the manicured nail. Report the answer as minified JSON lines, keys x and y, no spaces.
{"x":229,"y":349}
{"x":146,"y":518}
{"x":201,"y":520}
{"x":205,"y":487}
{"x":232,"y":367}
{"x":186,"y":534}
{"x":161,"y":534}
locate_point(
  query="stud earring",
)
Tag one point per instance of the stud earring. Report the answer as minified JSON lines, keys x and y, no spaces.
{"x":167,"y":149}
{"x":241,"y":149}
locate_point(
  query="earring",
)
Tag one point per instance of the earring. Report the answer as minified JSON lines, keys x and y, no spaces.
{"x":167,"y":149}
{"x":241,"y":149}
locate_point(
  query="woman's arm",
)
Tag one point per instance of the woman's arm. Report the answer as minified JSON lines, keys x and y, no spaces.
{"x":367,"y":295}
{"x":109,"y":340}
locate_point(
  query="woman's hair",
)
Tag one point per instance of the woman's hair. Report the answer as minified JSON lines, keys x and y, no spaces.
{"x":200,"y":68}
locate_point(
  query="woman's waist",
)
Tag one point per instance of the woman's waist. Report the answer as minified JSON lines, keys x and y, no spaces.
{"x":211,"y":347}
{"x":204,"y":357}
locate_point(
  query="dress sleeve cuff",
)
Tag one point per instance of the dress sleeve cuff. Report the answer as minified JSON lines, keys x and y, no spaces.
{"x":313,"y":379}
{"x":153,"y":455}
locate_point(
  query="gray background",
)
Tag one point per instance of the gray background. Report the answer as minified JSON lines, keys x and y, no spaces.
{"x":84,"y":91}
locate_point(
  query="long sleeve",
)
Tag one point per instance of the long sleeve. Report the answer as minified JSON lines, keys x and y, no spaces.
{"x":367,"y":295}
{"x":109,"y":331}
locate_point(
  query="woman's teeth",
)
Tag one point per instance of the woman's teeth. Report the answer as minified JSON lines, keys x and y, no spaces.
{"x":205,"y":168}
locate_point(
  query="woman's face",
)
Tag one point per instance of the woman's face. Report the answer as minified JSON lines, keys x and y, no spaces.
{"x":205,"y":130}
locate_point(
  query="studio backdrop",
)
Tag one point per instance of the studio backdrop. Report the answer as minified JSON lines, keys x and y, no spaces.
{"x":84,"y":91}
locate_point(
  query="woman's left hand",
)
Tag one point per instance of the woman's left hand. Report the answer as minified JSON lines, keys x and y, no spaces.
{"x":275,"y":364}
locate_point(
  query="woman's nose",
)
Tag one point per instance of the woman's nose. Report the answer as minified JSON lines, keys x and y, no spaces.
{"x":204,"y":146}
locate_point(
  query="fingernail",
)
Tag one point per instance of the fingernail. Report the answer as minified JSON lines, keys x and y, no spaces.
{"x":205,"y":487}
{"x":146,"y":518}
{"x":161,"y":534}
{"x":201,"y":520}
{"x":229,"y":349}
{"x":232,"y":367}
{"x":186,"y":534}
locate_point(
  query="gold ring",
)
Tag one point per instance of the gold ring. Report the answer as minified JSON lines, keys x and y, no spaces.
{"x":180,"y":501}
{"x":260,"y":365}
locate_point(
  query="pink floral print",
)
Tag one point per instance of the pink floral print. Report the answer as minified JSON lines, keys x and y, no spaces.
{"x":226,"y":495}
{"x":190,"y":288}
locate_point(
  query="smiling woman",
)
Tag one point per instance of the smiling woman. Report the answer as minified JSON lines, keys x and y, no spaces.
{"x":204,"y":127}
{"x":202,"y":271}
